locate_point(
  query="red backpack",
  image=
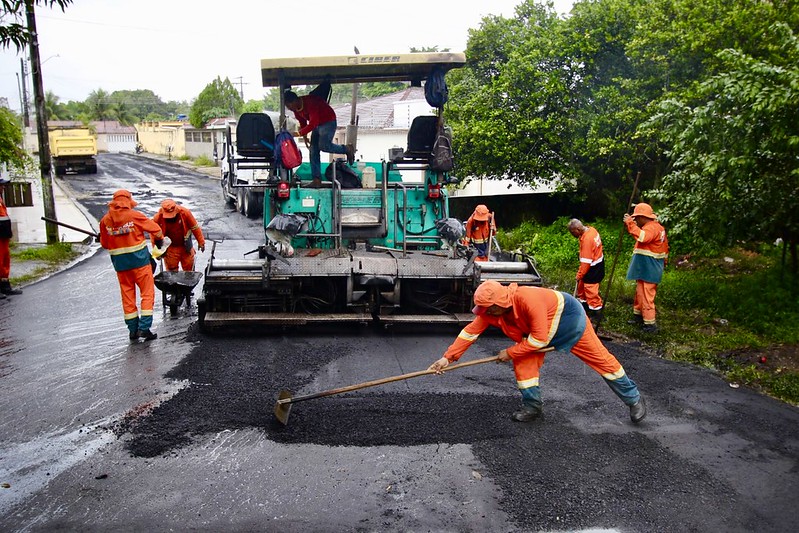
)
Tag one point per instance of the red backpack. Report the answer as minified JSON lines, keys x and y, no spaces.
{"x":287,"y":154}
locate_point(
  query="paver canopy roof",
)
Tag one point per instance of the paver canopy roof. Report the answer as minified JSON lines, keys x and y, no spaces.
{"x":413,"y":67}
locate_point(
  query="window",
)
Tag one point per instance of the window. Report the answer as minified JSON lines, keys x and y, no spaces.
{"x":206,"y":136}
{"x":18,"y":194}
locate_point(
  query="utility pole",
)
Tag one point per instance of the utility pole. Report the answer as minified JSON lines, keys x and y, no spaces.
{"x":26,"y":116}
{"x":45,"y":163}
{"x":241,"y":86}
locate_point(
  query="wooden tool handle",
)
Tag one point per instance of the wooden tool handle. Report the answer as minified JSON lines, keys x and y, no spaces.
{"x":391,"y":379}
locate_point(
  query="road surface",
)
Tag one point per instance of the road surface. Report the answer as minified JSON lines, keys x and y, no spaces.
{"x":178,"y":434}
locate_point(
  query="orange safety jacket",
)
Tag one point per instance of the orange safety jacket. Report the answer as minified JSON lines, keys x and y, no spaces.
{"x":122,"y":234}
{"x":591,"y":253}
{"x":479,"y":231}
{"x":181,"y":232}
{"x":539,"y":318}
{"x":650,"y":252}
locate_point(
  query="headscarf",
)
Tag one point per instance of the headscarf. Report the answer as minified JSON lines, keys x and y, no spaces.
{"x":492,"y":292}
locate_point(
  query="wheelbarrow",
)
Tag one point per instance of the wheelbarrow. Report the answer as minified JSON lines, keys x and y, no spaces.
{"x":176,"y":287}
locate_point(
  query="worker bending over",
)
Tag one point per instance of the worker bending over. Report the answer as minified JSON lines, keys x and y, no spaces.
{"x":536,"y":318}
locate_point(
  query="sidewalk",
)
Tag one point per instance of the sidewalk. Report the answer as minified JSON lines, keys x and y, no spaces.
{"x":27,"y":271}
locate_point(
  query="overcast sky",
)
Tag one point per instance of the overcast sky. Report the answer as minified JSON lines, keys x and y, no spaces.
{"x":176,"y":47}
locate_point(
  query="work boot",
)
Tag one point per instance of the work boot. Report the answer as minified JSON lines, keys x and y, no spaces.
{"x":315,"y":183}
{"x":595,"y":316}
{"x":638,"y":410}
{"x":350,"y":154}
{"x":147,"y":335}
{"x":134,"y":336}
{"x":2,"y":296}
{"x":649,"y":328}
{"x":5,"y":288}
{"x":526,"y":414}
{"x":636,"y":320}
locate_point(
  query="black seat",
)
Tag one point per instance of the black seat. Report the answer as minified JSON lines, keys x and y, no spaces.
{"x":421,"y":137}
{"x":255,"y":136}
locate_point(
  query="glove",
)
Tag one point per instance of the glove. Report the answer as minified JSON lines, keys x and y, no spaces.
{"x":439,"y":366}
{"x":159,"y":243}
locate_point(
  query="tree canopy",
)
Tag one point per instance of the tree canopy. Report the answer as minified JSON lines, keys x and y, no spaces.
{"x":573,"y":100}
{"x":11,"y":151}
{"x":219,"y":99}
{"x":12,"y":31}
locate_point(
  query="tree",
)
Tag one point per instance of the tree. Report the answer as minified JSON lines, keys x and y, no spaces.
{"x":218,"y":99}
{"x":11,"y":152}
{"x":99,"y":105}
{"x":736,"y":154}
{"x":14,"y":33}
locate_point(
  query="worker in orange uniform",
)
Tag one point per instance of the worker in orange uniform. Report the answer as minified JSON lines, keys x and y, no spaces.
{"x":5,"y":249}
{"x":646,"y":267}
{"x":479,"y":229}
{"x":179,"y":224}
{"x":536,"y":318}
{"x":591,"y":270}
{"x":122,"y":234}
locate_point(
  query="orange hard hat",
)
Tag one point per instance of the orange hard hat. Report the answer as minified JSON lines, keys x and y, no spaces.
{"x":644,"y":210}
{"x":480,"y":213}
{"x":169,"y":208}
{"x":123,"y":198}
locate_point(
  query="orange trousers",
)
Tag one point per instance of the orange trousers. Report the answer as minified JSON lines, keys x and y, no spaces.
{"x":589,"y":293}
{"x":5,"y":259}
{"x":177,"y":256}
{"x":142,"y":278}
{"x":589,"y":349}
{"x":644,"y":303}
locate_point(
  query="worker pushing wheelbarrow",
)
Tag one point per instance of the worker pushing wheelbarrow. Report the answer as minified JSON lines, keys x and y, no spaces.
{"x":179,"y":226}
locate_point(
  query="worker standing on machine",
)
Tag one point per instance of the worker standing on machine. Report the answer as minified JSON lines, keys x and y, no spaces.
{"x":178,"y":223}
{"x":536,"y":318}
{"x":479,"y":230}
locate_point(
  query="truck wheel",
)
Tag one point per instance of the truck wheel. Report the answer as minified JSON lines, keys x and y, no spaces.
{"x":251,"y":204}
{"x":240,"y":200}
{"x":226,"y":194}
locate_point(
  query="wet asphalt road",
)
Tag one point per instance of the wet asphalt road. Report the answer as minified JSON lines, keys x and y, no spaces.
{"x":177,"y":434}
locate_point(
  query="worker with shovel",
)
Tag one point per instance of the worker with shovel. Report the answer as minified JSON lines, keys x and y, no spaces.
{"x":592,"y":269}
{"x":480,"y":227}
{"x":646,"y":267}
{"x":537,"y":320}
{"x":122,"y":232}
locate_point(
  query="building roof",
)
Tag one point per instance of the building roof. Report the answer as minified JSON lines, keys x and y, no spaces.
{"x":377,"y":113}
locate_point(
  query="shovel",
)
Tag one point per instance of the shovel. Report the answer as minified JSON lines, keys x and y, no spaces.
{"x":283,"y":405}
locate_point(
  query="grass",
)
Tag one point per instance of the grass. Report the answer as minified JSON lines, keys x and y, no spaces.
{"x":735,"y":312}
{"x":47,"y":257}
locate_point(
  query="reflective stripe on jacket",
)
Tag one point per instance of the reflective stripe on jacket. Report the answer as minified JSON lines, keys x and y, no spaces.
{"x":539,"y":318}
{"x":122,"y":234}
{"x":650,"y":252}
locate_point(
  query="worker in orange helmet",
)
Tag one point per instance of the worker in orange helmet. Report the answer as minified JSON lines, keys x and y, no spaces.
{"x":536,"y":319}
{"x":5,"y":249}
{"x":591,"y":270}
{"x":122,"y":232}
{"x":179,"y":224}
{"x":648,"y":261}
{"x":479,"y":229}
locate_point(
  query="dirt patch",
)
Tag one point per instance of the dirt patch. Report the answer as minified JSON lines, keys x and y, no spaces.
{"x":774,"y":359}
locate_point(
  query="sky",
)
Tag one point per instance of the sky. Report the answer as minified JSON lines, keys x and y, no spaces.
{"x":177,"y":47}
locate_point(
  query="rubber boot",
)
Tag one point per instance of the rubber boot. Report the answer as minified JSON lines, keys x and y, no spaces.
{"x":147,"y":335}
{"x":5,"y":288}
{"x":526,"y":414}
{"x":636,"y":320}
{"x":532,"y":406}
{"x":649,"y":328}
{"x":595,"y":316}
{"x":638,"y":411}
